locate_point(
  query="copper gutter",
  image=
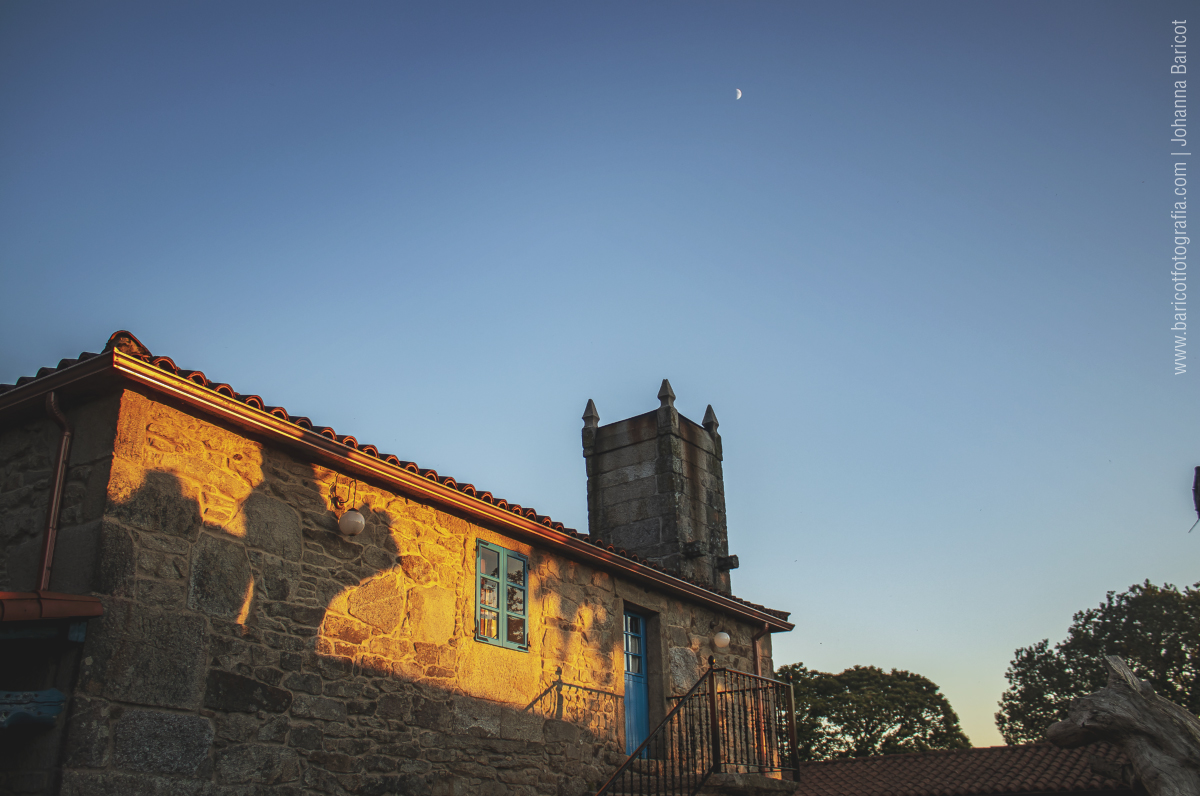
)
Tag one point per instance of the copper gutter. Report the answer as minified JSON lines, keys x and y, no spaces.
{"x":17,"y":606}
{"x":17,"y":398}
{"x":351,"y":461}
{"x":358,"y":463}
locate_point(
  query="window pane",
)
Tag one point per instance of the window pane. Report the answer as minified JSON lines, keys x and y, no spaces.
{"x":633,"y":645}
{"x":502,"y":580}
{"x":633,"y":625}
{"x":516,"y":630}
{"x":489,"y":623}
{"x":633,"y":664}
{"x":489,"y":593}
{"x":516,"y":600}
{"x":516,"y":571}
{"x":489,"y":563}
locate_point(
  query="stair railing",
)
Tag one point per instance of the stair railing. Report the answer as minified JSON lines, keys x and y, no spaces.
{"x":729,"y":721}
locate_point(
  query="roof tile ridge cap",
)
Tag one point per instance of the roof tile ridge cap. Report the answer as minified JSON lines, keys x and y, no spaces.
{"x":46,"y":372}
{"x":126,"y":343}
{"x":43,"y":372}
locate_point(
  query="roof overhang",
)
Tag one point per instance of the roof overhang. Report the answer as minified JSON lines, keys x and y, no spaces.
{"x":114,"y":369}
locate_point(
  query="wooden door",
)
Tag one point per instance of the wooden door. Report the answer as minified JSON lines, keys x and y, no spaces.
{"x":637,"y":701}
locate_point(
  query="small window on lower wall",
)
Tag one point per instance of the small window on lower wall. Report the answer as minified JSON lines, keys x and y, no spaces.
{"x":501,"y":596}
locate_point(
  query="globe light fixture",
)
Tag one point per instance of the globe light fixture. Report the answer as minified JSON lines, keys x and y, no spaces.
{"x":721,"y":640}
{"x":352,"y":523}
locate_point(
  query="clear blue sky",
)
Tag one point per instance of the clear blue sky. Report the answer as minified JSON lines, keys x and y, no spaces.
{"x":920,"y":269}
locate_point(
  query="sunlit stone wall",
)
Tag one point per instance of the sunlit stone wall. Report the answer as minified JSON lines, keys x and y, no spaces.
{"x":246,"y":643}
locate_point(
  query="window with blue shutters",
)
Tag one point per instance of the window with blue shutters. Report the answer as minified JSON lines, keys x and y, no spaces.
{"x":501,"y":596}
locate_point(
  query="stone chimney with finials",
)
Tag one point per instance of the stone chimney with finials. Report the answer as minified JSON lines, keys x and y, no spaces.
{"x":655,"y":489}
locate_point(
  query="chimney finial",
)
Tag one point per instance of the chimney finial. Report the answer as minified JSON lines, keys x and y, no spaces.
{"x":591,"y":418}
{"x":710,"y":420}
{"x":666,"y":395}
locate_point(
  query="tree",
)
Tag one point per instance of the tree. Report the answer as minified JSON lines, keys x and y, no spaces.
{"x":1155,"y":630}
{"x":866,"y":711}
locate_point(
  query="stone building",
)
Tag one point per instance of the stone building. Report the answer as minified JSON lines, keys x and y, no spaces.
{"x":188,"y":585}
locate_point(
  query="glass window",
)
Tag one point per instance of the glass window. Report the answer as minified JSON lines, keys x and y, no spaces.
{"x":489,"y":563}
{"x":635,"y":655}
{"x":503,"y":623}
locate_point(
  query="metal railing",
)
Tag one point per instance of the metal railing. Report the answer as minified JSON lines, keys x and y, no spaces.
{"x":728,"y":722}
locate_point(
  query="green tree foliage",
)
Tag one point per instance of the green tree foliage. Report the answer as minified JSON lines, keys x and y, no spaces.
{"x":866,"y":711}
{"x":1157,"y":632}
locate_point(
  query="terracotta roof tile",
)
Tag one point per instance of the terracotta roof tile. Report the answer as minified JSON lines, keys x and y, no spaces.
{"x":130,"y":345}
{"x":1025,"y":769}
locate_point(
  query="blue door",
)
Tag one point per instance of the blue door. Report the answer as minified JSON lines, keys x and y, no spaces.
{"x":637,"y":698}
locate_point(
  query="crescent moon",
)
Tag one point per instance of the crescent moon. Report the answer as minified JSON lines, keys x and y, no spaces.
{"x":739,"y":96}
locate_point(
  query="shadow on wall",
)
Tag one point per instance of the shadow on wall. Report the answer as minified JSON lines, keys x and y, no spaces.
{"x":245,"y":642}
{"x":561,"y":699}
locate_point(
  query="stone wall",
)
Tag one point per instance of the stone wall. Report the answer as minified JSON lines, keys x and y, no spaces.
{"x":29,"y":760}
{"x":247,"y":647}
{"x":27,"y":454}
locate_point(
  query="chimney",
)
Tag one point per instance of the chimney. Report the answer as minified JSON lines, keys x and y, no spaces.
{"x":655,"y":489}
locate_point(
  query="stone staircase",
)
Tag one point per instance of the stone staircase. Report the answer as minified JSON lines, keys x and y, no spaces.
{"x":729,"y":720}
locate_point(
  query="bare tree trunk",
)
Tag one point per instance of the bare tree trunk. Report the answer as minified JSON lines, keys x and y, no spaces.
{"x":1161,"y":739}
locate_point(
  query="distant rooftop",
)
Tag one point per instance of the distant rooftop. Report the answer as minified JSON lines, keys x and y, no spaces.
{"x":1040,"y":768}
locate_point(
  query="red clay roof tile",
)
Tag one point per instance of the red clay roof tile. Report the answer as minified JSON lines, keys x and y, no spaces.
{"x":130,"y":345}
{"x":993,"y":771}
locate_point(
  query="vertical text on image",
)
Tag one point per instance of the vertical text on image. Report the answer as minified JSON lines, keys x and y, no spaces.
{"x":1179,"y":211}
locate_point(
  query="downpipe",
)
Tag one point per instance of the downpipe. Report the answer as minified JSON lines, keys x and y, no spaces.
{"x":761,"y":752}
{"x":754,"y":648}
{"x":56,"y":492}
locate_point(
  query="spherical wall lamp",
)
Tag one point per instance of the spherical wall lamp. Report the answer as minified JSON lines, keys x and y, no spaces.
{"x":351,"y":523}
{"x":721,"y":640}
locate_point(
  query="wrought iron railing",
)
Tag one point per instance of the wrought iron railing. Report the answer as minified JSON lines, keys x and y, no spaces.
{"x":728,"y":722}
{"x":593,"y":710}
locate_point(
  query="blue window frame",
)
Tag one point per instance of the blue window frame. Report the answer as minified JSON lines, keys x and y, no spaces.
{"x":501,"y":596}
